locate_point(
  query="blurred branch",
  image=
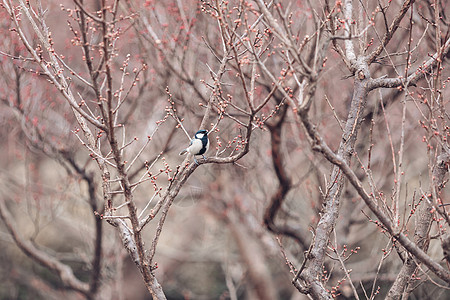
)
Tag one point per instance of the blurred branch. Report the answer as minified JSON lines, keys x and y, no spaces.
{"x":284,"y":185}
{"x":36,"y":139}
{"x":63,"y":271}
{"x":254,"y":260}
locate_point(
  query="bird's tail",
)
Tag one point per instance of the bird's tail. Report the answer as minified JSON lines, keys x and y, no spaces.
{"x":183,"y":151}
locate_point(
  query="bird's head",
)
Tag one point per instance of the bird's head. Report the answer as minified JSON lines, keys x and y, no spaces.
{"x":201,"y":133}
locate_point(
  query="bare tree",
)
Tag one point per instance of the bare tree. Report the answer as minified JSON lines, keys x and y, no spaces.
{"x":345,"y":101}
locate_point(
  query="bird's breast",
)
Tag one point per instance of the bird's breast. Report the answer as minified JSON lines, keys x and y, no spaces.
{"x":196,"y":146}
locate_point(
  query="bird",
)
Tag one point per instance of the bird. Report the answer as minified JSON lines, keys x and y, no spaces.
{"x":198,"y":145}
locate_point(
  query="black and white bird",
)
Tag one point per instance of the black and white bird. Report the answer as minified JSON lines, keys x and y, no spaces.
{"x":199,"y":144}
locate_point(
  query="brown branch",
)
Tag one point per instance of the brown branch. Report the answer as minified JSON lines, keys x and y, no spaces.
{"x":331,"y":203}
{"x":414,"y":77}
{"x":85,"y":12}
{"x":52,"y":69}
{"x":135,"y":245}
{"x":64,"y":272}
{"x":320,"y":146}
{"x":254,"y":260}
{"x":284,"y":186}
{"x":421,"y":238}
{"x":390,"y":32}
{"x":35,"y":138}
{"x":421,"y":235}
{"x":97,"y":258}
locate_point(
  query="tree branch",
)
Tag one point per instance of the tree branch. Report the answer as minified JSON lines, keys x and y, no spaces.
{"x":64,"y":272}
